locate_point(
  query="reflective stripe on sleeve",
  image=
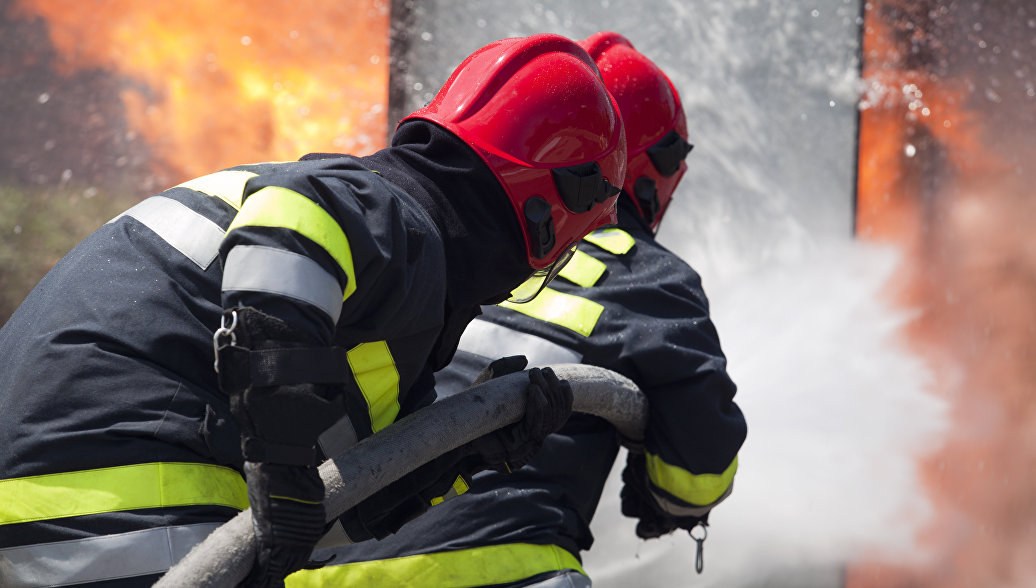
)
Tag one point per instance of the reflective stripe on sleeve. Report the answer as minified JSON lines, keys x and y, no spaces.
{"x":583,"y":269}
{"x":99,"y":559}
{"x":375,"y":373}
{"x":697,"y":489}
{"x":146,"y":485}
{"x":612,"y":240}
{"x":226,"y":185}
{"x":273,"y":206}
{"x":572,"y":312}
{"x":491,"y":340}
{"x":480,"y":566}
{"x":190,"y":233}
{"x":257,"y":268}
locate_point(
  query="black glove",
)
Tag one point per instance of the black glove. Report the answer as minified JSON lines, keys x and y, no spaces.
{"x":280,"y":417}
{"x":639,"y":503}
{"x":288,"y":518}
{"x":548,"y":404}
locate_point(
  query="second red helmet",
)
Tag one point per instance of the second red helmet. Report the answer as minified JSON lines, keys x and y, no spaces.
{"x":656,"y":127}
{"x":536,"y":110}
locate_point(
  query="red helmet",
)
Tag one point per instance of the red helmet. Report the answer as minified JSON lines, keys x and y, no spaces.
{"x":656,"y":128}
{"x":537,"y":112}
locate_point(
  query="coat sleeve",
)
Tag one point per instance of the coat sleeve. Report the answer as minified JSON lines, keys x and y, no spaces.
{"x":695,"y":429}
{"x":304,"y":235}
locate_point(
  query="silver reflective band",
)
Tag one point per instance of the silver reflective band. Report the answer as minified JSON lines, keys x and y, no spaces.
{"x":190,"y":233}
{"x":334,"y":537}
{"x":96,"y":559}
{"x":491,"y":340}
{"x":679,"y":510}
{"x":337,"y":438}
{"x":265,"y":269}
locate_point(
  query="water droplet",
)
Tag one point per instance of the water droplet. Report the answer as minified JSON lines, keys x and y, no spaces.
{"x":43,"y":98}
{"x":426,"y":36}
{"x":909,"y":150}
{"x":246,"y":40}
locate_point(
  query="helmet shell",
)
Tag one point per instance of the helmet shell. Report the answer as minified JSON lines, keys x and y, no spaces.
{"x":528,"y":106}
{"x":651,"y":110}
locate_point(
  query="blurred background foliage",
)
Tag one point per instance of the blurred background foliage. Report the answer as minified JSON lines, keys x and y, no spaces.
{"x":40,"y":225}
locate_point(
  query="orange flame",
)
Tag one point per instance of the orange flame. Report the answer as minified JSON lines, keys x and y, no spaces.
{"x":940,"y":175}
{"x":209,"y":85}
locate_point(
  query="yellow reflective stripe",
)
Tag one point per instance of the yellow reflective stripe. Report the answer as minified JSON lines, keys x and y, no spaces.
{"x":274,"y":206}
{"x":460,"y":486}
{"x":583,"y":269}
{"x":146,"y":485}
{"x":228,"y":185}
{"x":615,"y":241}
{"x":566,"y":310}
{"x":480,"y":566}
{"x":697,"y":489}
{"x":375,"y":373}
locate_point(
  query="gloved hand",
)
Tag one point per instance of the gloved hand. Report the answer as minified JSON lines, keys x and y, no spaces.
{"x":548,"y":404}
{"x":638,"y":503}
{"x":288,"y":518}
{"x":280,"y":417}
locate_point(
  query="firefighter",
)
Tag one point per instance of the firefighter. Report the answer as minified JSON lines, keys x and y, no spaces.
{"x":199,"y":353}
{"x":623,"y":303}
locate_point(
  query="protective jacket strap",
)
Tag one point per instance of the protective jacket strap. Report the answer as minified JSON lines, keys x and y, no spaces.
{"x":242,"y":368}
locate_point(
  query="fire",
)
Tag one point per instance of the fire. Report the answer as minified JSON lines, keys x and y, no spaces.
{"x":209,"y":85}
{"x":942,"y":175}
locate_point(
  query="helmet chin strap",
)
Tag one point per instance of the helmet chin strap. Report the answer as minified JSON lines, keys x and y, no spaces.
{"x":540,"y":278}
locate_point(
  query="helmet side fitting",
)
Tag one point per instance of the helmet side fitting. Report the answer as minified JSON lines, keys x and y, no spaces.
{"x":536,"y":110}
{"x":654,"y":120}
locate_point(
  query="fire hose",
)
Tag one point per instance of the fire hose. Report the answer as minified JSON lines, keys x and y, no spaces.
{"x":226,"y":556}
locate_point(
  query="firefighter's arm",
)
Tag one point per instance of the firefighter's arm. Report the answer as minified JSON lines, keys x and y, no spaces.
{"x":266,"y":368}
{"x":695,"y":429}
